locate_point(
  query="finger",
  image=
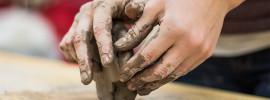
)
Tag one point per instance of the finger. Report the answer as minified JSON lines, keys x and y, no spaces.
{"x":82,"y":39}
{"x":102,"y":31}
{"x":165,"y":66}
{"x":138,"y":32}
{"x":66,"y":45}
{"x":118,"y":31}
{"x":149,"y":87}
{"x":67,"y":48}
{"x":151,"y":51}
{"x":201,"y":60}
{"x":134,"y":9}
{"x":181,"y":70}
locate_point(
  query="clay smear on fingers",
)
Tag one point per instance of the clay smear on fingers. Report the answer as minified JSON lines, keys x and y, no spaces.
{"x":134,"y":9}
{"x":66,"y":45}
{"x":119,"y":30}
{"x":86,"y":71}
{"x":137,"y":62}
{"x":102,"y":31}
{"x":150,"y":74}
{"x":149,"y":87}
{"x":133,"y":66}
{"x":134,"y":37}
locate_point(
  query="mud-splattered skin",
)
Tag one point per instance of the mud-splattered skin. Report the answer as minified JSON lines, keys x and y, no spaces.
{"x":89,"y":42}
{"x":187,"y":36}
{"x":92,"y":28}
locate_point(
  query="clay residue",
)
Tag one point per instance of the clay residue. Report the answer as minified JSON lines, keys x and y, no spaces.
{"x":133,"y":66}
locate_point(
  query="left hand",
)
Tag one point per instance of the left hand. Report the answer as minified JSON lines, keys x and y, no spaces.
{"x":189,"y":30}
{"x":92,"y":26}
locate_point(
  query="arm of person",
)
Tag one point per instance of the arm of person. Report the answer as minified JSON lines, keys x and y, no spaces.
{"x":187,"y":36}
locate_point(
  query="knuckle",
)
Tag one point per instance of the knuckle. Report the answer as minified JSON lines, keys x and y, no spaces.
{"x":102,"y":27}
{"x":83,"y":7}
{"x":131,"y":35}
{"x":86,"y":6}
{"x":82,"y":65}
{"x":203,"y":50}
{"x":98,"y":3}
{"x":62,"y":47}
{"x":76,"y":18}
{"x":78,"y":39}
{"x":98,"y":28}
{"x":65,"y":44}
{"x":148,"y":55}
{"x":179,"y":72}
{"x":170,"y":21}
{"x":179,"y":27}
{"x":175,"y":29}
{"x":138,"y":81}
{"x":194,"y":42}
{"x":160,"y":73}
{"x":209,"y":54}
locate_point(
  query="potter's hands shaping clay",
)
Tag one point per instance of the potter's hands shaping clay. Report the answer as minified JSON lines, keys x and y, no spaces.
{"x":187,"y":36}
{"x":95,"y":20}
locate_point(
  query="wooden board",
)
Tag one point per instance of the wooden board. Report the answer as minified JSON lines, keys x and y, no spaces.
{"x":30,"y":78}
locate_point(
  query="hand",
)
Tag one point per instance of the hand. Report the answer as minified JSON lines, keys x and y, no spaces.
{"x":188,"y":33}
{"x":95,"y":20}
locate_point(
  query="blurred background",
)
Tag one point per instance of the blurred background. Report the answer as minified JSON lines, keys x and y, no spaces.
{"x":35,"y":27}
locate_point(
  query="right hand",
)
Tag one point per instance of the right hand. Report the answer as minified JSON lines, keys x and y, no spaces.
{"x":95,"y":20}
{"x":187,"y":36}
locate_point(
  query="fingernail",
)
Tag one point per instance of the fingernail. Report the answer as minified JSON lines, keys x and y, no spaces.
{"x":132,"y":10}
{"x":120,"y":42}
{"x":137,"y":6}
{"x":105,"y":59}
{"x":84,"y":77}
{"x":123,"y":77}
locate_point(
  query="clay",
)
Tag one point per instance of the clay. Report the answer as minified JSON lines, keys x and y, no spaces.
{"x":107,"y":79}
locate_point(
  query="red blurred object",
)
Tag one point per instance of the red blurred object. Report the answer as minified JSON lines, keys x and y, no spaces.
{"x":62,"y":15}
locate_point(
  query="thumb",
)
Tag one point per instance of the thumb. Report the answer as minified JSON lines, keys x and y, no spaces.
{"x":134,"y":9}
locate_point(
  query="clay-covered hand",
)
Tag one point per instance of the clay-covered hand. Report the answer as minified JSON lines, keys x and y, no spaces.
{"x":187,"y":36}
{"x":94,"y":22}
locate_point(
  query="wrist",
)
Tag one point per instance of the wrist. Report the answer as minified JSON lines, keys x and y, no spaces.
{"x":233,"y":4}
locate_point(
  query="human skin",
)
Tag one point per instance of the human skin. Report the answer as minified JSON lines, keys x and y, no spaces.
{"x":187,"y":36}
{"x":95,"y":21}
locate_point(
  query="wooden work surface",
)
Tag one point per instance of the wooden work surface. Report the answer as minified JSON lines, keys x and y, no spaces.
{"x":30,"y":78}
